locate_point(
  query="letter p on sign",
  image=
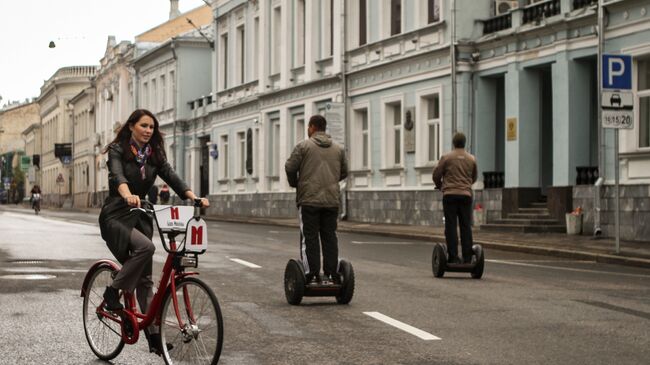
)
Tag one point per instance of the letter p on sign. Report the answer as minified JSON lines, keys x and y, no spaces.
{"x":617,"y":72}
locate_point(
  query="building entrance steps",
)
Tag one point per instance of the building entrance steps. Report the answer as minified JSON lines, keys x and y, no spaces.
{"x":535,"y":218}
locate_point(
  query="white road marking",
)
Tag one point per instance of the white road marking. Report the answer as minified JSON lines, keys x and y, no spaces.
{"x":382,"y":243}
{"x":568,"y":269}
{"x":246,"y":263}
{"x":275,"y":232}
{"x":403,"y":326}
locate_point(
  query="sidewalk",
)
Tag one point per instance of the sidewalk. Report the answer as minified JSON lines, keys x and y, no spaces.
{"x":553,"y":244}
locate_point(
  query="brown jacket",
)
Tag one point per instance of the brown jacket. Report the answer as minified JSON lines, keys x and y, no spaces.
{"x":455,"y":173}
{"x":315,"y":168}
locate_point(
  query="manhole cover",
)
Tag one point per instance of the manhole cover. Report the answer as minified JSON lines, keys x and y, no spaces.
{"x":26,"y":261}
{"x":28,"y":277}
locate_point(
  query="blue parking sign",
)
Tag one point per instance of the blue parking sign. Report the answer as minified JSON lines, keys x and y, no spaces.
{"x":617,"y":72}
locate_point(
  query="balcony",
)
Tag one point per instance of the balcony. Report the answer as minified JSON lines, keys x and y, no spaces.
{"x":493,"y":179}
{"x":497,"y":23}
{"x":579,"y":4}
{"x":540,"y":10}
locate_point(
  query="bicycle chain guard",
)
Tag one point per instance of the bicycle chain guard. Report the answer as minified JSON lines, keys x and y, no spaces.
{"x":129,"y":326}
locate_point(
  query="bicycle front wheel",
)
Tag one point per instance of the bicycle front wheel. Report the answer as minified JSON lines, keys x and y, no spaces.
{"x":104,"y":335}
{"x":200,"y":337}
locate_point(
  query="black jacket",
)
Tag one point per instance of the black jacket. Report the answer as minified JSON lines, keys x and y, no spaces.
{"x":115,"y":220}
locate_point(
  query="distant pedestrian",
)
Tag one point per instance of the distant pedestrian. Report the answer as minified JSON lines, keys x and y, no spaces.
{"x":454,"y":175}
{"x":164,"y":194}
{"x":152,"y":195}
{"x":315,"y":168}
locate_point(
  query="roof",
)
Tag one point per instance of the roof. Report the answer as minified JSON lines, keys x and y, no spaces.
{"x":176,"y":26}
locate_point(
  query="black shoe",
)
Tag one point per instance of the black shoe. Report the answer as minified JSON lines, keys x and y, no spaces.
{"x":334,"y":278}
{"x":112,"y":299}
{"x":155,"y":344}
{"x":453,"y":260}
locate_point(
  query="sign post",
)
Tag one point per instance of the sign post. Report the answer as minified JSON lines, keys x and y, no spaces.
{"x":617,"y":112}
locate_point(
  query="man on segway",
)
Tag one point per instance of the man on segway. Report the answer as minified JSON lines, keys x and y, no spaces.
{"x":454,"y":175}
{"x":315,"y":168}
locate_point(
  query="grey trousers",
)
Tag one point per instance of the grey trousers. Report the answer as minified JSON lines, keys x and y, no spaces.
{"x":136,"y":272}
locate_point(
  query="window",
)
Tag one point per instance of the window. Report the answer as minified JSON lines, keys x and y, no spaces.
{"x":433,"y":11}
{"x":363,"y":36}
{"x":223,"y":157}
{"x":432,"y":113}
{"x":393,"y":123}
{"x":256,"y":47}
{"x":643,"y":94}
{"x":395,"y":17}
{"x":361,"y":133}
{"x":299,"y":34}
{"x":163,"y":93}
{"x":154,"y":94}
{"x":274,"y":144}
{"x":241,"y":153}
{"x":224,"y":52}
{"x":298,"y":127}
{"x":256,"y":151}
{"x":172,"y":89}
{"x":241,"y":54}
{"x":327,"y":28}
{"x":276,"y":43}
{"x":145,"y":95}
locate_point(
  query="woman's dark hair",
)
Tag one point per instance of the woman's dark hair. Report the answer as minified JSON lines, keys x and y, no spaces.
{"x":156,"y":142}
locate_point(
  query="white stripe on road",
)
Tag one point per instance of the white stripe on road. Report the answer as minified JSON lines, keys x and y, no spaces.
{"x":382,"y":243}
{"x":403,"y":326}
{"x":246,"y":263}
{"x":568,"y":269}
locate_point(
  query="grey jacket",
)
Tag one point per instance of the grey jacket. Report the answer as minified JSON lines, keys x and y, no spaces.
{"x":315,"y":168}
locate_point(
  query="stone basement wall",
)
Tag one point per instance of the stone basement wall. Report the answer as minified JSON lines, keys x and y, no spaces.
{"x":267,"y":205}
{"x":422,"y":208}
{"x":635,"y":210}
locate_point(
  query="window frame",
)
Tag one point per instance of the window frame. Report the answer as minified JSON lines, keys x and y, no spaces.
{"x":423,"y":123}
{"x":388,"y":128}
{"x":223,"y":156}
{"x":638,"y":95}
{"x":357,"y":162}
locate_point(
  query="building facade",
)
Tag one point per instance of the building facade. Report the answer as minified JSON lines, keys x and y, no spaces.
{"x":519,"y":78}
{"x":84,"y":140}
{"x":56,"y":129}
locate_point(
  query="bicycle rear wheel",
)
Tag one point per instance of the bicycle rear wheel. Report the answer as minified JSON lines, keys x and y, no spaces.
{"x":104,"y":335}
{"x":200,"y":339}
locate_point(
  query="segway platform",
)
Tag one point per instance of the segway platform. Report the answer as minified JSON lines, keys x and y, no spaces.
{"x":296,"y":286}
{"x":439,"y":264}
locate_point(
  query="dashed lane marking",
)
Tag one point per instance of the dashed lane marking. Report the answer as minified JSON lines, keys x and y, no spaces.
{"x":245,"y":263}
{"x":403,"y":326}
{"x":568,"y":269}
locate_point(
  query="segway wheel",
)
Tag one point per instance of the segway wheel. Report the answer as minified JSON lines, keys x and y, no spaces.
{"x":438,"y":261}
{"x":347,"y":278}
{"x":294,"y":282}
{"x":477,"y":272}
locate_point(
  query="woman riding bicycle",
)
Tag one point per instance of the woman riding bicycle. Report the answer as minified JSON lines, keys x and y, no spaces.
{"x":135,"y":158}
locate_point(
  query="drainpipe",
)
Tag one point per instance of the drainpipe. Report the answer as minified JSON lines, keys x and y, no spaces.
{"x":346,"y":114}
{"x":173,"y":48}
{"x":452,"y":50}
{"x":601,"y":138}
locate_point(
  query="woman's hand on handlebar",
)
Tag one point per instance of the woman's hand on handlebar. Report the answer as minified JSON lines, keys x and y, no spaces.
{"x":133,"y":201}
{"x":204,"y":202}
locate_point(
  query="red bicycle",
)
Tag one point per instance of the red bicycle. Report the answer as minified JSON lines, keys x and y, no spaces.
{"x":184,"y":307}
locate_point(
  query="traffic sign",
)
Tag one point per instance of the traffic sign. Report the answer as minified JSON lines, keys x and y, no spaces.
{"x":60,"y":179}
{"x":617,"y":72}
{"x":617,"y":109}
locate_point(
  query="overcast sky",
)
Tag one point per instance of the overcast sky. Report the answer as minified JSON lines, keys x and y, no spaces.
{"x":78,"y":27}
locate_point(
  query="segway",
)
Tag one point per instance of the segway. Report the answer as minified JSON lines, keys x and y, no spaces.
{"x":296,"y":286}
{"x":439,"y":262}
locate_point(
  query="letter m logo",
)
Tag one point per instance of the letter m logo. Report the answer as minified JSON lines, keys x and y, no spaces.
{"x":197,"y":235}
{"x":174,"y":212}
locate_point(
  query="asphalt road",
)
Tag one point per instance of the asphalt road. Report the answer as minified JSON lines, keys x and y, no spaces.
{"x":526,"y":310}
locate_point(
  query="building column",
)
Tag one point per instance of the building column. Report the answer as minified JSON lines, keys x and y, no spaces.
{"x":522,"y":89}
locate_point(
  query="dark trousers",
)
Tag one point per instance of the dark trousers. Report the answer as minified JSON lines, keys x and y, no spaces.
{"x":458,"y":208}
{"x":318,"y":228}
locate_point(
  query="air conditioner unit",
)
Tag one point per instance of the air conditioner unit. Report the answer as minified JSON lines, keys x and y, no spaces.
{"x":505,"y":6}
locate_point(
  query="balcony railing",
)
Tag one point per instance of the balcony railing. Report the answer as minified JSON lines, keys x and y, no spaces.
{"x":578,"y":4}
{"x":541,"y":10}
{"x":497,"y":23}
{"x":493,"y":179}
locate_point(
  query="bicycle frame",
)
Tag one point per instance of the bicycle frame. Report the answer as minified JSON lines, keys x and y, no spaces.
{"x":173,"y":270}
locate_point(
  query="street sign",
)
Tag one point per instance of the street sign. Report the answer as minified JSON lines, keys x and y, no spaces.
{"x":617,"y":72}
{"x":59,"y":179}
{"x":617,"y":109}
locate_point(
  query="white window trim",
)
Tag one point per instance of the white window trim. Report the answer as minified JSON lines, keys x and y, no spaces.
{"x":357,"y":162}
{"x":385,"y":20}
{"x":223,"y":160}
{"x":421,"y":125}
{"x":273,"y":162}
{"x":638,"y":94}
{"x":423,"y":10}
{"x":385,"y":101}
{"x":241,"y":63}
{"x":240,"y":153}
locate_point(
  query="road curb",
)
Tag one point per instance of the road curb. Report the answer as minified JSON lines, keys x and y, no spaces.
{"x":509,"y":246}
